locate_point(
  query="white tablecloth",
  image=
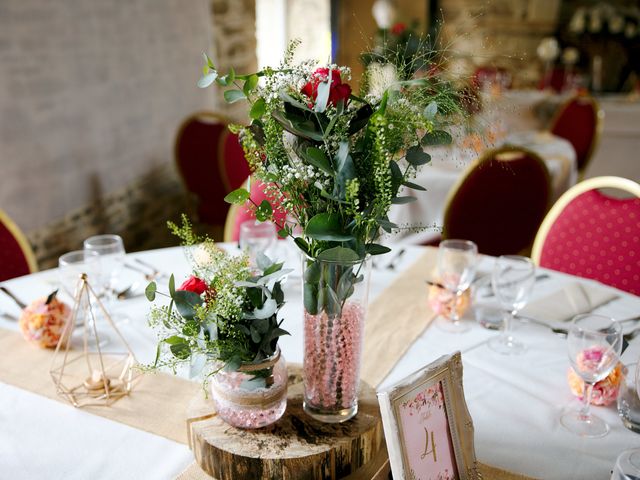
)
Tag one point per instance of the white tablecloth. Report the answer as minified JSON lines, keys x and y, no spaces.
{"x":449,"y":163}
{"x":515,"y":402}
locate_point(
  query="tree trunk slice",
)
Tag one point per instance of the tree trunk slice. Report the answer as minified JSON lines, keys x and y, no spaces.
{"x":296,"y":447}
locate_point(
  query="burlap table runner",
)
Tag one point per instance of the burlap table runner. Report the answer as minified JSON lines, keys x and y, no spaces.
{"x":157,"y":404}
{"x":159,"y":401}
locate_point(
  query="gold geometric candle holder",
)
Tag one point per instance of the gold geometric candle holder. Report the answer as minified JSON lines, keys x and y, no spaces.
{"x":92,"y":377}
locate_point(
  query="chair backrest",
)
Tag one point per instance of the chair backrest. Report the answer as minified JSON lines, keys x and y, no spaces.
{"x":211,"y":163}
{"x":241,"y":213}
{"x":594,"y":235}
{"x":16,"y":255}
{"x":579,"y":121}
{"x":499,"y":202}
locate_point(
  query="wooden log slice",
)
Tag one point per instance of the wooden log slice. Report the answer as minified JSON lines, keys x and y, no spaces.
{"x":296,"y":447}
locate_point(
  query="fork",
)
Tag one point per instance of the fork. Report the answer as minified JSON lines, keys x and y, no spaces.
{"x":154,"y":271}
{"x":147,"y":276}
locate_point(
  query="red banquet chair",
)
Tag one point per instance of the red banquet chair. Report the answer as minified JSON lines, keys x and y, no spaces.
{"x":499,"y":202}
{"x":241,"y":213}
{"x":16,"y":255}
{"x":211,"y":162}
{"x":594,"y":235}
{"x":579,"y":121}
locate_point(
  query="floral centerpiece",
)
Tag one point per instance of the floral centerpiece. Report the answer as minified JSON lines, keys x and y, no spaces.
{"x":335,"y":162}
{"x":223,"y":322}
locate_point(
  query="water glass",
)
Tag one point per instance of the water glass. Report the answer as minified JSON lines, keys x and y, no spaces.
{"x":629,"y":399}
{"x":257,"y":237}
{"x":457,"y":260}
{"x":111,"y":252}
{"x":594,"y":345}
{"x":73,"y":264}
{"x":512,"y":280}
{"x":627,"y":466}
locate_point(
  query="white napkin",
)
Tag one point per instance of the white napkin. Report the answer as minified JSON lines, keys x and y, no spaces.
{"x":563,"y":305}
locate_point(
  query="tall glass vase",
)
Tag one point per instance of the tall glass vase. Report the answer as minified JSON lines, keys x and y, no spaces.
{"x":335,"y":303}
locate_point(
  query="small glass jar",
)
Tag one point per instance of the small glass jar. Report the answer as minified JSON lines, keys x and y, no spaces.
{"x":254,"y":395}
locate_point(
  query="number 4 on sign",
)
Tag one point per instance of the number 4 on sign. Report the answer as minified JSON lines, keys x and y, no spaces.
{"x":426,"y":446}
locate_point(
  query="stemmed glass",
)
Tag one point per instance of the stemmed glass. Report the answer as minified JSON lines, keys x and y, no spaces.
{"x":594,"y":344}
{"x":512,"y":280}
{"x":457,"y":261}
{"x":257,"y":237}
{"x":73,"y":264}
{"x":110,"y":249}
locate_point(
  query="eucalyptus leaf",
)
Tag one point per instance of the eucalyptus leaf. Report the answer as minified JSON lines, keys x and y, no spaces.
{"x":430,"y":111}
{"x":414,"y":186}
{"x":264,"y":211}
{"x":207,"y":79}
{"x":263,"y":261}
{"x":150,"y":291}
{"x":261,"y":325}
{"x":250,"y":84}
{"x":255,"y":335}
{"x":268,"y":309}
{"x":360,"y":119}
{"x":232,"y":96}
{"x":324,"y":88}
{"x":437,"y":137}
{"x":186,"y":302}
{"x":310,"y":297}
{"x":312,"y":272}
{"x":172,"y":285}
{"x":386,"y":225}
{"x":376,"y":249}
{"x":339,"y":254}
{"x":291,"y":128}
{"x":198,"y":362}
{"x":289,"y":99}
{"x":258,"y":109}
{"x":272,"y":277}
{"x":326,"y":226}
{"x":181,"y":351}
{"x":402,"y":200}
{"x":318,"y":159}
{"x":238,"y":196}
{"x":417,"y":157}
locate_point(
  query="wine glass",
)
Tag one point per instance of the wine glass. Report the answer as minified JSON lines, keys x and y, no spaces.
{"x":457,"y":261}
{"x":73,"y":264}
{"x":110,"y":249}
{"x":255,"y":238}
{"x":594,"y":344}
{"x":512,"y":279}
{"x":627,"y":465}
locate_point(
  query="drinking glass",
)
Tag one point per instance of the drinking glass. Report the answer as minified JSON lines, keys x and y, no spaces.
{"x":594,"y":344}
{"x":512,"y":280}
{"x":257,"y":237}
{"x":628,"y":401}
{"x":627,"y":465}
{"x":457,"y":261}
{"x":110,"y":250}
{"x":73,"y":264}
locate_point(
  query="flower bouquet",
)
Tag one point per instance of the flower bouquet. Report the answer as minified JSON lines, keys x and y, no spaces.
{"x":223,"y":322}
{"x":335,"y":163}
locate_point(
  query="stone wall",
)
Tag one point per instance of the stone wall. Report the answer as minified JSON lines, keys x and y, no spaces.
{"x":91,"y":97}
{"x":499,"y":33}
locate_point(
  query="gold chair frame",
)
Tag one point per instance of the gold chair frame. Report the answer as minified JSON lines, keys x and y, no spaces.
{"x":20,"y":237}
{"x":595,"y":183}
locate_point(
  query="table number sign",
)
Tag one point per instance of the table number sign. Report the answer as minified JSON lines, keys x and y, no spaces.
{"x":428,"y":429}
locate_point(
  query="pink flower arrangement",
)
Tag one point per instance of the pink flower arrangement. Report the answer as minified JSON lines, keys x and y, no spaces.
{"x":605,"y":392}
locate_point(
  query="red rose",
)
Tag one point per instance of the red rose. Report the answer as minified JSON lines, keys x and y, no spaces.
{"x":195,"y":285}
{"x":398,"y":28}
{"x":337,"y":90}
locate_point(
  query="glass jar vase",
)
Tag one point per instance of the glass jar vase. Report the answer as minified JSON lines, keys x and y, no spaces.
{"x":254,"y":395}
{"x":335,"y":302}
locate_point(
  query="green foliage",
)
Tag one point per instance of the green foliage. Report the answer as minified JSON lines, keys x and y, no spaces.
{"x":234,"y":321}
{"x":334,"y":162}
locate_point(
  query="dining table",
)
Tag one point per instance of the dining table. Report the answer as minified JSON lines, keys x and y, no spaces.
{"x":421,"y":220}
{"x":515,"y":402}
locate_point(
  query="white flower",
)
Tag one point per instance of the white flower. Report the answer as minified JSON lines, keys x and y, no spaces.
{"x":382,"y":77}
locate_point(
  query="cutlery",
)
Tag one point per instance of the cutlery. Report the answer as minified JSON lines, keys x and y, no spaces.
{"x":8,"y":316}
{"x":564,"y":331}
{"x":394,"y":261}
{"x":128,"y":292}
{"x":542,"y":276}
{"x":155,"y":272}
{"x":148,"y":276}
{"x":19,"y":302}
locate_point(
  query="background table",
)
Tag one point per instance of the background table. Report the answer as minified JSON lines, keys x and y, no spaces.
{"x":515,"y":402}
{"x":447,"y":166}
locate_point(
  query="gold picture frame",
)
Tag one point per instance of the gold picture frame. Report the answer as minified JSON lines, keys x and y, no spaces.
{"x":427,"y":425}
